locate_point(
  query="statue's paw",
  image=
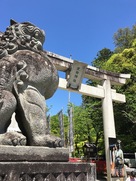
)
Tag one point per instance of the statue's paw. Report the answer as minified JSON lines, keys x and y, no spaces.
{"x":53,"y":141}
{"x":13,"y":139}
{"x":47,"y":140}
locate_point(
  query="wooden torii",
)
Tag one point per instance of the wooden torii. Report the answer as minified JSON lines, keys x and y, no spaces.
{"x":73,"y":82}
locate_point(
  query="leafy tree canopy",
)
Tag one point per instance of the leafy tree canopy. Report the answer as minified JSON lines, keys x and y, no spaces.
{"x":124,"y":38}
{"x":123,"y":60}
{"x":102,"y":56}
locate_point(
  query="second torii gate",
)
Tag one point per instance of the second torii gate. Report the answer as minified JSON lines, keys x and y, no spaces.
{"x":75,"y":72}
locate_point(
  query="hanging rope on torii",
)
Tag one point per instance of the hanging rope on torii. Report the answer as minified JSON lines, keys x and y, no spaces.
{"x":75,"y":72}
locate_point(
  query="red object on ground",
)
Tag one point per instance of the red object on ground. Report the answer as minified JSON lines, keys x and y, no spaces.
{"x":100,"y":164}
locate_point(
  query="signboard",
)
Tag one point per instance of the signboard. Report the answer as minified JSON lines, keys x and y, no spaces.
{"x":76,"y":75}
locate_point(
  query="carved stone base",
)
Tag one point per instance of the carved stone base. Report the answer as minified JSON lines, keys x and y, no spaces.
{"x":46,"y":171}
{"x":33,"y":153}
{"x":13,"y":169}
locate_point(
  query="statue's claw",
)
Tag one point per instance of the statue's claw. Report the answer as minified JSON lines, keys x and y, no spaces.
{"x":12,"y":138}
{"x":19,"y":142}
{"x":58,"y":143}
{"x":53,"y":141}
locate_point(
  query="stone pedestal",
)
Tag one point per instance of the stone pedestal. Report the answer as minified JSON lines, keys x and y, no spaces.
{"x":42,"y":164}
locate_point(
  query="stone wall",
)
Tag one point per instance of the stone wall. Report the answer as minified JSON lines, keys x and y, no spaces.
{"x":46,"y":171}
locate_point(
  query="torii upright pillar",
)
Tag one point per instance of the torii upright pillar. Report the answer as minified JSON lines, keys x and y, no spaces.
{"x":108,"y":122}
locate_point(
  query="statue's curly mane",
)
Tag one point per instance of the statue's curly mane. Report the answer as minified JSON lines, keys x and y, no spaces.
{"x":20,"y":36}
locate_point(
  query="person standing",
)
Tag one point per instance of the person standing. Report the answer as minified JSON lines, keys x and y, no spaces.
{"x":113,"y":153}
{"x":119,"y":161}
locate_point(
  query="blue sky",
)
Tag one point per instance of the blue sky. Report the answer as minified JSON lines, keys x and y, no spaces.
{"x":73,"y":27}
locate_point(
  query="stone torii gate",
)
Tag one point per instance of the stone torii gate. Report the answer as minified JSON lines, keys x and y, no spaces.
{"x":75,"y":72}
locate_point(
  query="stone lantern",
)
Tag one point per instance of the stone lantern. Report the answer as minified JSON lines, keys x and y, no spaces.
{"x":90,"y":151}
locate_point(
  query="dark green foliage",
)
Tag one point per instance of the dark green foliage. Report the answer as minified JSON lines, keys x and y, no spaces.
{"x":102,"y":56}
{"x":124,"y":38}
{"x":122,"y":60}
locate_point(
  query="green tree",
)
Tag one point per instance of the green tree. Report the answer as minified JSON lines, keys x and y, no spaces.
{"x":81,"y":128}
{"x":94,"y":107}
{"x":122,"y":60}
{"x":125,"y":115}
{"x":85,"y":129}
{"x":102,"y":56}
{"x":124,"y":38}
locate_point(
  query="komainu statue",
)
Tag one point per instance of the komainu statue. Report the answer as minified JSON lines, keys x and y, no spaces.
{"x":27,"y":79}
